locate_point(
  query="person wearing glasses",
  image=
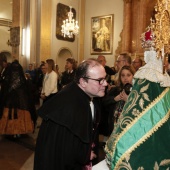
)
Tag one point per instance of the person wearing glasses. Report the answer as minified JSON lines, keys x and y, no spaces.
{"x":137,"y":63}
{"x":123,"y":60}
{"x":70,"y":121}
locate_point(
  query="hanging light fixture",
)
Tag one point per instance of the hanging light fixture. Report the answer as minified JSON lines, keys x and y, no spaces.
{"x":70,"y":26}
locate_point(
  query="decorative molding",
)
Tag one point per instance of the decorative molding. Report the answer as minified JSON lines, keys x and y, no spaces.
{"x":119,"y":48}
{"x":5,"y":22}
{"x":14,"y":37}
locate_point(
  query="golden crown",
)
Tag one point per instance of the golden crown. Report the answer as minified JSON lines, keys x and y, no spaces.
{"x":157,"y":35}
{"x":148,"y":39}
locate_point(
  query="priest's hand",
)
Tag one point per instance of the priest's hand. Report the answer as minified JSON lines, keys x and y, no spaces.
{"x":93,"y":155}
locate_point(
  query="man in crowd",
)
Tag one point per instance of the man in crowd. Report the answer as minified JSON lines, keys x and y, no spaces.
{"x":109,"y":72}
{"x":137,"y":63}
{"x":69,"y":73}
{"x":70,"y":120}
{"x":104,"y":114}
{"x":122,"y":60}
{"x":32,"y":73}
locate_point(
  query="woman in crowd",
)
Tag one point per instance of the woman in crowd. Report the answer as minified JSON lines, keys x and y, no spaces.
{"x":49,"y":88}
{"x":17,"y":109}
{"x":117,"y":96}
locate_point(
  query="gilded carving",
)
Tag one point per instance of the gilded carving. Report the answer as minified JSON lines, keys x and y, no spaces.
{"x":119,"y":48}
{"x":143,"y":10}
{"x":128,"y":1}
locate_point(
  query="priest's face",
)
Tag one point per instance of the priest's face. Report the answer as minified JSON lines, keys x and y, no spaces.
{"x":95,"y":83}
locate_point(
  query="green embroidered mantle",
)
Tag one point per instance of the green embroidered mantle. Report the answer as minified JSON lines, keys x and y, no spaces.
{"x":141,"y":138}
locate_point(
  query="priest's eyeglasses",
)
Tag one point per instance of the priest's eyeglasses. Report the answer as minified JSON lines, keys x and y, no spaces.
{"x":100,"y":80}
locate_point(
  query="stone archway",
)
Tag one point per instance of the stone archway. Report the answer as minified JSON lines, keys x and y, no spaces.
{"x":63,"y":54}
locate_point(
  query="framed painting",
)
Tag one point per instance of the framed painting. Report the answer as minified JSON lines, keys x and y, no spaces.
{"x":62,"y":14}
{"x":102,"y":34}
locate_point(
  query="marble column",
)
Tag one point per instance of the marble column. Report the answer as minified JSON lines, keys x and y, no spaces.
{"x":141,"y":25}
{"x":15,"y":23}
{"x":45,"y":35}
{"x":137,"y":25}
{"x":126,"y":42}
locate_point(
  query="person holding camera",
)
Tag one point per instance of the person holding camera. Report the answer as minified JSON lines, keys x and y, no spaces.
{"x":117,"y":96}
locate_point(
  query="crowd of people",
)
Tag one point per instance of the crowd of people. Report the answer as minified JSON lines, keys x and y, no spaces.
{"x":17,"y":107}
{"x":76,"y":106}
{"x":140,"y":138}
{"x":21,"y":91}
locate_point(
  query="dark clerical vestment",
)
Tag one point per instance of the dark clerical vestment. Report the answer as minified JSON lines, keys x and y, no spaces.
{"x":67,"y":131}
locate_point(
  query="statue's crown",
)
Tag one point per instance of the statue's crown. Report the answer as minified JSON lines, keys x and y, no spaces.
{"x":148,"y":39}
{"x":157,"y":35}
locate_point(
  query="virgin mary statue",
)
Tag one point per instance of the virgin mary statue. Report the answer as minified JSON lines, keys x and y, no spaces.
{"x":141,"y":138}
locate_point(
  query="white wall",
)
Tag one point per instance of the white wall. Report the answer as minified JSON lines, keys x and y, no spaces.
{"x":99,"y":8}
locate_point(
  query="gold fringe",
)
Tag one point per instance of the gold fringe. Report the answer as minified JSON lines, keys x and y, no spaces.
{"x":142,"y":139}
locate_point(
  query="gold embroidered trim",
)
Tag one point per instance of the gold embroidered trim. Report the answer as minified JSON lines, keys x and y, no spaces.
{"x":165,"y":162}
{"x":118,"y":136}
{"x":145,"y":136}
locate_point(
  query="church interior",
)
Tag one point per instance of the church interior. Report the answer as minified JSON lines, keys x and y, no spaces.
{"x":36,"y":22}
{"x":30,"y":31}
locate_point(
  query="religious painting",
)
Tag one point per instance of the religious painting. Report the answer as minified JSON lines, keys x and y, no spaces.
{"x":102,"y":34}
{"x":62,"y":14}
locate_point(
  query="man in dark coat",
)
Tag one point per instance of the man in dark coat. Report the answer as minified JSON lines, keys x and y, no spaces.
{"x":69,"y":73}
{"x":104,"y":126}
{"x":70,"y":120}
{"x":109,"y":71}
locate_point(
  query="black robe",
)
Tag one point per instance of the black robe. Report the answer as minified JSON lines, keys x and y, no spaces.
{"x":66,"y":134}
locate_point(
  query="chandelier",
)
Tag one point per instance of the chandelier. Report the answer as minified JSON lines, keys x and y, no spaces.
{"x":70,"y":26}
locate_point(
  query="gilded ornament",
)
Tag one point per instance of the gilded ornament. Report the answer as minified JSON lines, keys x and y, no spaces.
{"x":157,"y":34}
{"x":165,"y":162}
{"x":143,"y":89}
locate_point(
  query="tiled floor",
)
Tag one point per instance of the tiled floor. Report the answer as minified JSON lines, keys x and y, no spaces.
{"x":13,"y":155}
{"x":18,"y":153}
